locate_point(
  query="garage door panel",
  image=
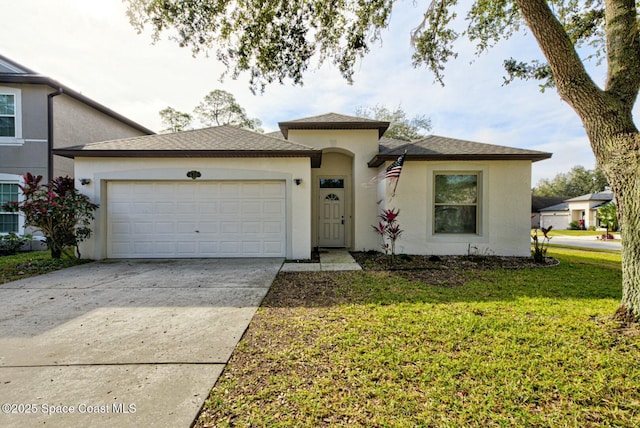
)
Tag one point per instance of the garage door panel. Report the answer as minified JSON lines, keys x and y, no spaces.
{"x":209,"y":208}
{"x":273,"y":207}
{"x":140,"y":228}
{"x":204,"y":219}
{"x":272,"y":247}
{"x":272,"y":227}
{"x":229,"y":189}
{"x":273,"y":189}
{"x":251,"y":190}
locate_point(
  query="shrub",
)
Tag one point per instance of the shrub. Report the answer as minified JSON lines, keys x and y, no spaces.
{"x":12,"y":242}
{"x":608,"y":216}
{"x":540,"y":247}
{"x":575,"y":225}
{"x":58,"y":210}
{"x":389,"y":230}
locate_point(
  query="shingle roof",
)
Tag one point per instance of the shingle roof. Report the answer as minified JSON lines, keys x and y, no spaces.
{"x":607,"y":195}
{"x":559,"y":207}
{"x":435,"y":147}
{"x":220,"y":141}
{"x":540,"y":202}
{"x":333,"y":121}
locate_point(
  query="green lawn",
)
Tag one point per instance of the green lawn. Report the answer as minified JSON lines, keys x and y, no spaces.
{"x":531,"y":347}
{"x":24,"y":265}
{"x":567,"y":232}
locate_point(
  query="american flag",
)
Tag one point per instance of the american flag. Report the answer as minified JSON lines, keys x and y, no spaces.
{"x":393,"y":170}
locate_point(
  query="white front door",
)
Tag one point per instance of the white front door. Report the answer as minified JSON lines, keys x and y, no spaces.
{"x":331,"y":221}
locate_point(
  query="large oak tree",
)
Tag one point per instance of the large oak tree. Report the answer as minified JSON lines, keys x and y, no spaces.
{"x":276,"y":40}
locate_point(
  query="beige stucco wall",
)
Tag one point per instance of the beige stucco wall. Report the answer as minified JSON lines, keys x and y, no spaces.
{"x":590,"y":217}
{"x":360,"y":146}
{"x":101,"y":170}
{"x":76,"y":123}
{"x":504,"y":213}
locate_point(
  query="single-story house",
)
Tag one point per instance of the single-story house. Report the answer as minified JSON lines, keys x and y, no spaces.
{"x":540,"y":202}
{"x":582,"y":208}
{"x":319,"y":182}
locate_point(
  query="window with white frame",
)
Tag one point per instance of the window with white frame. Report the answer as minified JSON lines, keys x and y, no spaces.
{"x":10,"y":114}
{"x":9,"y":222}
{"x":457,"y":202}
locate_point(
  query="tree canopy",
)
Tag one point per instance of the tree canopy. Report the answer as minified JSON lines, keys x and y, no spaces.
{"x":401,"y":127}
{"x":175,"y":120}
{"x":221,"y":108}
{"x":578,"y":181}
{"x":218,"y":107}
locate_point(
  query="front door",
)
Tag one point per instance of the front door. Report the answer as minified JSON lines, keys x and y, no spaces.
{"x":331,"y":221}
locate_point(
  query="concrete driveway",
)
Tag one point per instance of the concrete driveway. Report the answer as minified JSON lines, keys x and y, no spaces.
{"x":123,"y":343}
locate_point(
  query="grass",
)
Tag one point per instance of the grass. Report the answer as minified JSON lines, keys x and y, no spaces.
{"x":25,"y":265}
{"x":569,"y":232}
{"x":528,"y":347}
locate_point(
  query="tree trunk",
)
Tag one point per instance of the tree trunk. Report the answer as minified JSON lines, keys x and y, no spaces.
{"x":606,"y":115}
{"x":55,"y":248}
{"x":622,"y":168}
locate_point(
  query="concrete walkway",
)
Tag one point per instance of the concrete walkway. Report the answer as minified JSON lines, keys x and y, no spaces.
{"x":331,"y":259}
{"x":137,"y":343}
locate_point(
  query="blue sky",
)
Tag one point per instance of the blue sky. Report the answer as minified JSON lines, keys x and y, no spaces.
{"x":90,"y":46}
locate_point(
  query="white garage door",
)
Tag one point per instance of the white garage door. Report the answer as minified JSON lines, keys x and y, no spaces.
{"x":155,"y":219}
{"x":559,"y":221}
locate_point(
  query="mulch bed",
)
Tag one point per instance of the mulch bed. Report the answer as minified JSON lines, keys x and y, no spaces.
{"x":372,"y":260}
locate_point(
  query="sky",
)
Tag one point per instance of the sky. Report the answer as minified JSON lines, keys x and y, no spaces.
{"x":90,"y":46}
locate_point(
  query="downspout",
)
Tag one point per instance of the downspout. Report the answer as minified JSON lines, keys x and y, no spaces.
{"x":59,"y":91}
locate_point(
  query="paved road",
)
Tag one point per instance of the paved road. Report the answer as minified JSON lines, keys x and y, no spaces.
{"x":123,"y":343}
{"x":586,"y":242}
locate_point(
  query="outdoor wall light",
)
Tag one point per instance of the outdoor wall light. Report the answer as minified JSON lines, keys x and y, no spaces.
{"x":297,"y":181}
{"x":85,"y":181}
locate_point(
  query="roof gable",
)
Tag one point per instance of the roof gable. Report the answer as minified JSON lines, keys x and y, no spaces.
{"x":333,"y":121}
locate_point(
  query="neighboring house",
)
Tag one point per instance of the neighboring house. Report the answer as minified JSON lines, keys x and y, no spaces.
{"x":229,"y":192}
{"x":540,"y":202}
{"x":38,"y":114}
{"x":582,"y":209}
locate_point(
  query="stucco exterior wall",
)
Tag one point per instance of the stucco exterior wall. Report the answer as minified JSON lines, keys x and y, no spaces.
{"x":30,"y":155}
{"x":362,"y":145}
{"x":76,"y":123}
{"x":505,"y":205}
{"x":101,"y":170}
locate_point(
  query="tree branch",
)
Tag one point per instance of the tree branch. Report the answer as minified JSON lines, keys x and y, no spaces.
{"x":574,"y":84}
{"x":623,"y":50}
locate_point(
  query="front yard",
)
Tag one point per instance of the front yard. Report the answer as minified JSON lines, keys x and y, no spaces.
{"x":500,"y":347}
{"x":24,"y":265}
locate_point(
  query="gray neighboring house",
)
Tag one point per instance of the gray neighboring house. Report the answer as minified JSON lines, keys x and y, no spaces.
{"x":581,"y":208}
{"x":37,"y":115}
{"x":540,"y":202}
